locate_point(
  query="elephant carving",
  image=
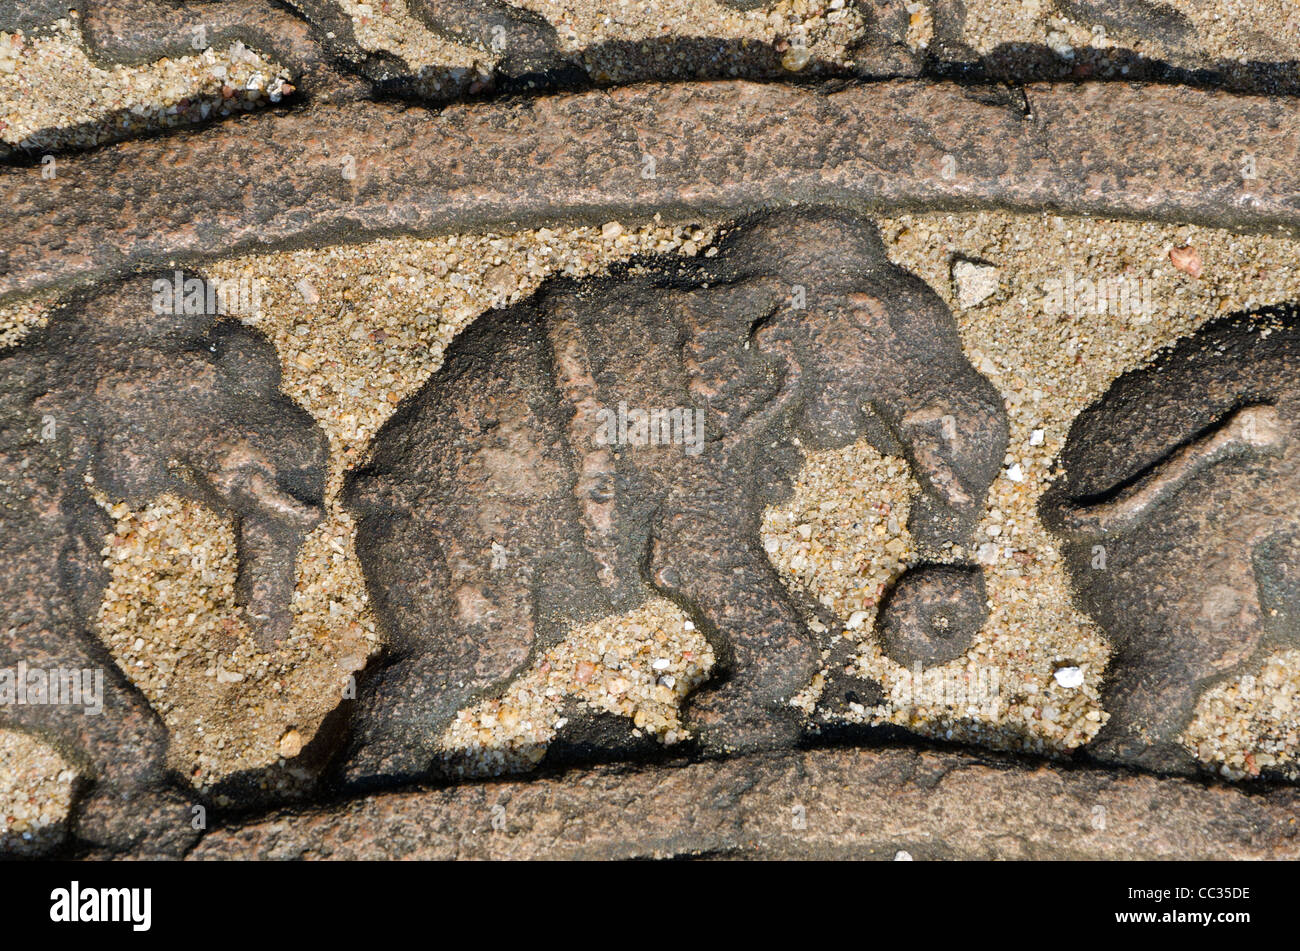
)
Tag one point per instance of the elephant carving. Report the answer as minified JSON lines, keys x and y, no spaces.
{"x":621,"y":435}
{"x":1179,"y":513}
{"x":139,"y":403}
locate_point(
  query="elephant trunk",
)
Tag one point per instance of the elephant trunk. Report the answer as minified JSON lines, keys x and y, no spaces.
{"x":955,"y":437}
{"x":268,"y":549}
{"x":271,"y":525}
{"x":1253,"y":430}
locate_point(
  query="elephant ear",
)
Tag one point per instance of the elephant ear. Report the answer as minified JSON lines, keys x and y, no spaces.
{"x":729,"y":374}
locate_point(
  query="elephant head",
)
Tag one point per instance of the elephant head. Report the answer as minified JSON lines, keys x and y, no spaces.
{"x":148,"y":399}
{"x":878,"y":354}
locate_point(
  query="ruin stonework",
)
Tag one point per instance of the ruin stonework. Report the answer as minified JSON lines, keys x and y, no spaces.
{"x":612,"y":431}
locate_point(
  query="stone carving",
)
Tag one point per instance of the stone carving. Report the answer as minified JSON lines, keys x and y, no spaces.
{"x":1179,"y":510}
{"x":141,"y":403}
{"x":525,"y":41}
{"x":321,"y":51}
{"x":799,"y":332}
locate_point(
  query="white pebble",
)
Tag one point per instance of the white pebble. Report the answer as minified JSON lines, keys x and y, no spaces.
{"x":975,"y":282}
{"x":1069,"y":677}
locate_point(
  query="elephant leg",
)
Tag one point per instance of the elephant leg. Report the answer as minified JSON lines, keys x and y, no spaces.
{"x":1149,"y":706}
{"x":401,"y":710}
{"x":1277,"y":569}
{"x":766,"y":652}
{"x":118,"y":743}
{"x":457,"y":629}
{"x":1209,"y":626}
{"x":134,"y":808}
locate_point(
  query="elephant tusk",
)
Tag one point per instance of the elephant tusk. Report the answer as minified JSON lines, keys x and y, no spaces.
{"x":244,"y":471}
{"x":932,"y":457}
{"x":281,"y":504}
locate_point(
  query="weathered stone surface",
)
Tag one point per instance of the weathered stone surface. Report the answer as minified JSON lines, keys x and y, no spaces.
{"x":29,"y":16}
{"x":350,"y":170}
{"x":1179,"y":513}
{"x":799,"y":331}
{"x":145,"y":31}
{"x":526,"y":42}
{"x":932,"y":614}
{"x":831,"y":804}
{"x":144,"y":403}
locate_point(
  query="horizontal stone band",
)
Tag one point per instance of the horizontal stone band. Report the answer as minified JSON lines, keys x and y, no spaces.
{"x":347,"y":171}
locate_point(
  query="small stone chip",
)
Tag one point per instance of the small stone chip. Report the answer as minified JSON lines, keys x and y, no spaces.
{"x":1187,"y":259}
{"x":1069,"y":677}
{"x":796,"y":58}
{"x":974,"y":282}
{"x":291,"y":744}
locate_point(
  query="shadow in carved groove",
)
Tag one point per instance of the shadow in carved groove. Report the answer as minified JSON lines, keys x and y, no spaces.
{"x":1179,"y":510}
{"x":143,"y":404}
{"x":799,"y":327}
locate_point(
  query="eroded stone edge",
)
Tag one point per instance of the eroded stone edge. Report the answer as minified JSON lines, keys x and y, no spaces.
{"x":348,"y":171}
{"x":825,"y":803}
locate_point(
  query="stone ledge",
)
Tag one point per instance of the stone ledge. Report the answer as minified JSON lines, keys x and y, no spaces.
{"x":352,"y":170}
{"x":855,"y":804}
